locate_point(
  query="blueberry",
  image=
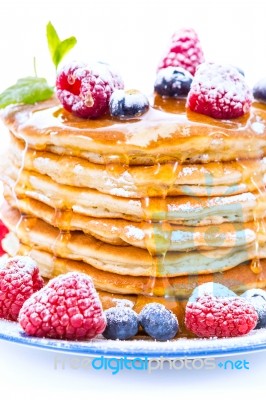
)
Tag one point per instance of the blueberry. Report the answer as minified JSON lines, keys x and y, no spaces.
{"x":122,"y":323}
{"x":212,"y":289}
{"x":257,"y":297}
{"x":158,"y":322}
{"x":173,"y":82}
{"x":125,"y":104}
{"x":259,"y":90}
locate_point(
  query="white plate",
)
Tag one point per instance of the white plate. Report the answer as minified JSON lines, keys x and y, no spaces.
{"x":255,"y":341}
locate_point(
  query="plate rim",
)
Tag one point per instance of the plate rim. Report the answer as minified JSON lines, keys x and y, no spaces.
{"x":95,"y":348}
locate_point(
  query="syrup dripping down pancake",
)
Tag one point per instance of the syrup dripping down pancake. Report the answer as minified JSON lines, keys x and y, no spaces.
{"x":171,"y":179}
{"x":185,"y":210}
{"x":164,"y":133}
{"x":120,"y":232}
{"x":237,"y":279}
{"x":126,"y":260}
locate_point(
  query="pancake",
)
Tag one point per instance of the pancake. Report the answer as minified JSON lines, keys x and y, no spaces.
{"x":171,"y":179}
{"x":167,"y":132}
{"x":125,"y":261}
{"x":142,"y":234}
{"x":150,"y":208}
{"x":237,"y":279}
{"x":185,"y":210}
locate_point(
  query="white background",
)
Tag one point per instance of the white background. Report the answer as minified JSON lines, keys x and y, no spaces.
{"x":31,"y":374}
{"x":132,"y":35}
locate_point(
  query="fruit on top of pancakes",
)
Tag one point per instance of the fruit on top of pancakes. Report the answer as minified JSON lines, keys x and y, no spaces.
{"x":125,"y":104}
{"x":173,"y":82}
{"x":259,"y":90}
{"x":184,"y":51}
{"x":83,"y":90}
{"x":219,"y":91}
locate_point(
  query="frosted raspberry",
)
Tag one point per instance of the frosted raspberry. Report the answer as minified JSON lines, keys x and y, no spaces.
{"x":3,"y":233}
{"x":19,"y":279}
{"x":219,"y":92}
{"x":210,"y":316}
{"x":68,"y":307}
{"x":85,"y":91}
{"x":116,"y":78}
{"x":185,"y":51}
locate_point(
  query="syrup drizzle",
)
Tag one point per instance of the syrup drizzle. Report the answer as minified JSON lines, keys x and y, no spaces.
{"x":153,"y":199}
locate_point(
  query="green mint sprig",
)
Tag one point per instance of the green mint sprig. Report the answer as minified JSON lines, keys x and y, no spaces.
{"x":32,"y":89}
{"x":27,"y":91}
{"x":58,"y":48}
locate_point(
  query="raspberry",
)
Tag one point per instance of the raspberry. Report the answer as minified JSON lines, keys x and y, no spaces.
{"x":116,"y":79}
{"x":219,"y":92}
{"x":3,"y":233}
{"x":19,"y":279}
{"x":85,"y":91}
{"x":210,"y":316}
{"x":185,"y":51}
{"x":68,"y":307}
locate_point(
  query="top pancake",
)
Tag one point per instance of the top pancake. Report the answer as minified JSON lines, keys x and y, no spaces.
{"x":160,"y":180}
{"x":167,"y":132}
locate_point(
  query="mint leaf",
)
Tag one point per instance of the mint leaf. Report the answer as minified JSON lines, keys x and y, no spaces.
{"x":32,"y":89}
{"x":27,"y":90}
{"x":62,"y":49}
{"x":58,"y":49}
{"x":52,"y":38}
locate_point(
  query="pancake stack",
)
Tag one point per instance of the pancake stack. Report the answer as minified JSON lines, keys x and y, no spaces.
{"x":150,"y":208}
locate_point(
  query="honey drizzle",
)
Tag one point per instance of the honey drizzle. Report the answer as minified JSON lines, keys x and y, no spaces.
{"x":62,"y":218}
{"x":153,"y":206}
{"x":31,"y":220}
{"x":156,"y":215}
{"x":256,"y":266}
{"x":255,"y":181}
{"x":153,"y":202}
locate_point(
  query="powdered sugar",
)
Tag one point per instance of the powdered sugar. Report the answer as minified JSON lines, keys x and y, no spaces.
{"x":120,"y":192}
{"x":187,"y":171}
{"x":187,"y":207}
{"x":241,"y":198}
{"x":258,"y":127}
{"x":123,"y":303}
{"x":134,"y":232}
